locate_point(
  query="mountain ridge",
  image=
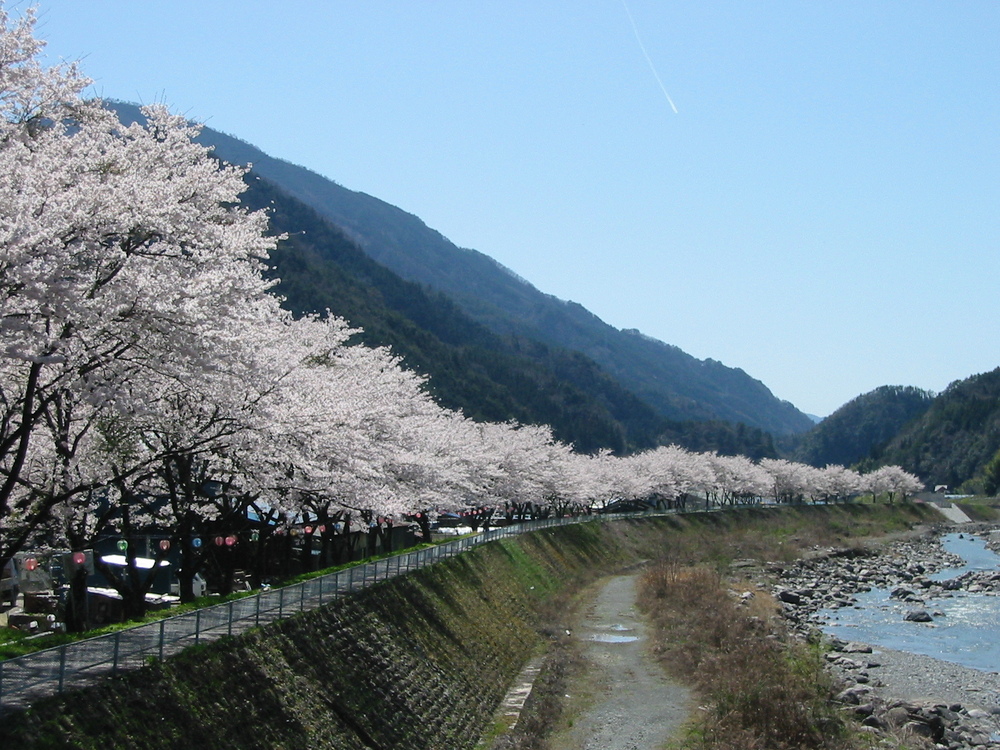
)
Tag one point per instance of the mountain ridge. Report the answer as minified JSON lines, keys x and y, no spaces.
{"x":862,"y":426}
{"x":954,"y":440}
{"x":677,"y":385}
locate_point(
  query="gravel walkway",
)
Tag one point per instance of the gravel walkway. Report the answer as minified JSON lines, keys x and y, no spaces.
{"x":625,"y":701}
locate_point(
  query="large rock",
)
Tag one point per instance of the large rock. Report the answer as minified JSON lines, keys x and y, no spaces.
{"x":855,"y":647}
{"x":918,"y":615}
{"x":789,"y":597}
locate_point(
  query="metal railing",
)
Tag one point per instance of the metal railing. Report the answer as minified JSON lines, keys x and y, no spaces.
{"x":25,"y":679}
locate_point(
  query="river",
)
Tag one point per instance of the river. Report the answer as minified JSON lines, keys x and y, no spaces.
{"x":966,"y":626}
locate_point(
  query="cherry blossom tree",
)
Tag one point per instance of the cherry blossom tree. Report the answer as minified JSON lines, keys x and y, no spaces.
{"x":837,"y":483}
{"x":677,"y":474}
{"x":124,"y":256}
{"x":891,"y":481}
{"x":738,"y":479}
{"x":789,"y":480}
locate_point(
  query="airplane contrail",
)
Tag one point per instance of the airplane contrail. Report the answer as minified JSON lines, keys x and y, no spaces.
{"x":635,"y":30}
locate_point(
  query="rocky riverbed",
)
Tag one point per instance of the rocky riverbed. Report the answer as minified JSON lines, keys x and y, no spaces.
{"x":919,"y":698}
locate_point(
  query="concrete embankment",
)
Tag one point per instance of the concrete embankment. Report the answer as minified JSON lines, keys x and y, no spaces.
{"x":416,"y":662}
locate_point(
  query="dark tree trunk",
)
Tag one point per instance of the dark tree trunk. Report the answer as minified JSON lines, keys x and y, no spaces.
{"x":77,"y":620}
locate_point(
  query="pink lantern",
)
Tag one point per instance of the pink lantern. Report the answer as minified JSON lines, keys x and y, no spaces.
{"x":164,"y":544}
{"x":31,"y":564}
{"x":230,"y":540}
{"x":309,"y":529}
{"x":79,"y":558}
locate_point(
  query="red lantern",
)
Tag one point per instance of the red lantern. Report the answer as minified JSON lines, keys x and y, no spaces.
{"x":79,"y":558}
{"x":31,"y":564}
{"x":321,"y":529}
{"x":230,"y":540}
{"x":164,"y":544}
{"x":219,"y":541}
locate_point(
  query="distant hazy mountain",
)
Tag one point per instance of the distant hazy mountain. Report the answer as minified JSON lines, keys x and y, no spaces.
{"x":861,"y":425}
{"x":674,"y":384}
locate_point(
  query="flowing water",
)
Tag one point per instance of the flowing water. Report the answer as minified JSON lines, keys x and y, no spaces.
{"x":966,"y":626}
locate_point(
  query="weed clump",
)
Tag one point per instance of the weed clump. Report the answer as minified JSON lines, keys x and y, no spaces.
{"x":760,"y":689}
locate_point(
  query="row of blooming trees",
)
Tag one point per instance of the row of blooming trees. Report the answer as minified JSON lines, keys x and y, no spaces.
{"x":150,"y":380}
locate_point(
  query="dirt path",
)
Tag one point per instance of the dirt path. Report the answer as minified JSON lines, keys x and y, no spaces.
{"x":624,"y":701}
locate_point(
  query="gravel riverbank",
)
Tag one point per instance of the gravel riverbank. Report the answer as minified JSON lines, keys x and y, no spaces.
{"x":924,"y":679}
{"x":919,"y":698}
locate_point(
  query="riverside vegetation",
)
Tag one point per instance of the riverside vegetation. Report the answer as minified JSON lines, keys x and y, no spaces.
{"x":422,"y":661}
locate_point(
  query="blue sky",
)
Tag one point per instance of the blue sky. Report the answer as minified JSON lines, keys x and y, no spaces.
{"x":822,"y":211}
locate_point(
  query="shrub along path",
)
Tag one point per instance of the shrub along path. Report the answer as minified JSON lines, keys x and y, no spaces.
{"x":624,"y":700}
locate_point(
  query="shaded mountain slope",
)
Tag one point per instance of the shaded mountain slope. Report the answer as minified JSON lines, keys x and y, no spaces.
{"x":675,"y":384}
{"x":862,"y":425}
{"x":955,"y":438}
{"x":472,"y":369}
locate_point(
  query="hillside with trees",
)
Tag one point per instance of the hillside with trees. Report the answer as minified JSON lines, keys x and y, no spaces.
{"x":485,"y":375}
{"x":862,"y":425}
{"x":955,"y":439}
{"x":676,"y":385}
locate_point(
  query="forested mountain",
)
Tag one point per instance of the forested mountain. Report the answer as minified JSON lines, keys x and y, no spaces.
{"x":471,"y":368}
{"x":676,"y":385}
{"x":862,"y":425}
{"x":486,"y":375}
{"x":955,"y":438}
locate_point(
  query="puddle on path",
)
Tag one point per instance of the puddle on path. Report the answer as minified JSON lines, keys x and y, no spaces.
{"x":613,"y":638}
{"x":613,"y":634}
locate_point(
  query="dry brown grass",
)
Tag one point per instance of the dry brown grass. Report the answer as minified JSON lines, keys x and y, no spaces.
{"x":759,"y":690}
